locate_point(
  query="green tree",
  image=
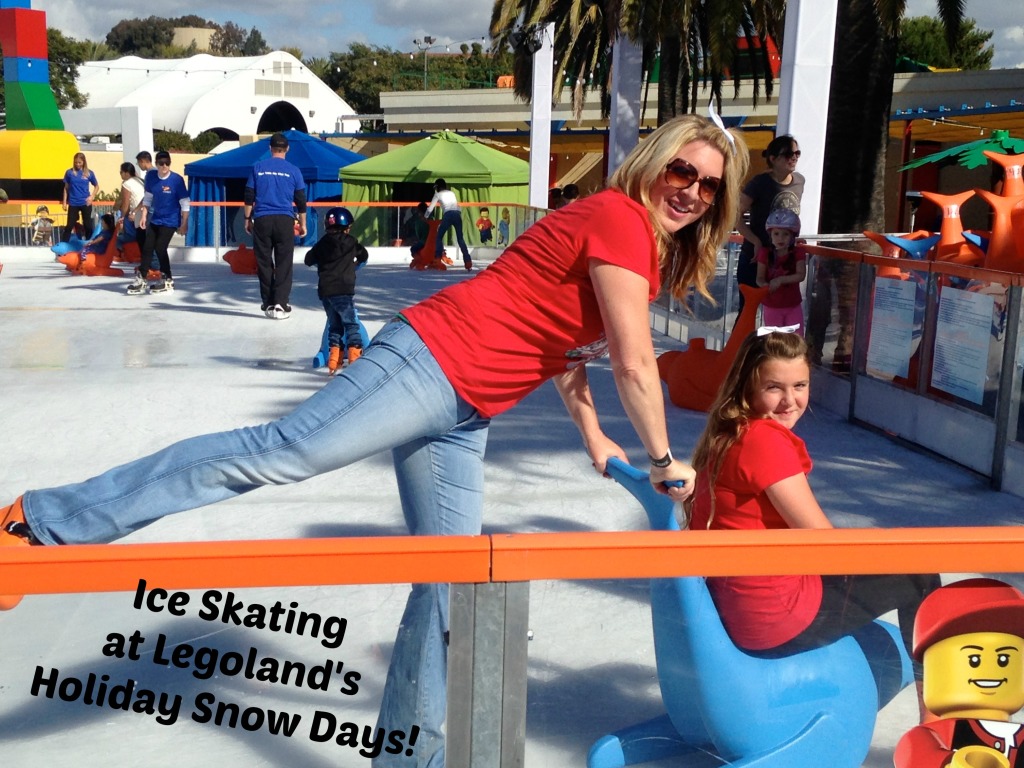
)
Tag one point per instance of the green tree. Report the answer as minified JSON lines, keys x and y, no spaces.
{"x":140,"y":37}
{"x":319,"y":66}
{"x":860,"y":101}
{"x":360,"y":74}
{"x":255,"y":45}
{"x":694,"y":43}
{"x":923,"y":39}
{"x":66,"y":55}
{"x":172,"y":141}
{"x":228,"y":40}
{"x":205,"y":142}
{"x":176,"y":51}
{"x":193,"y":21}
{"x":96,"y":51}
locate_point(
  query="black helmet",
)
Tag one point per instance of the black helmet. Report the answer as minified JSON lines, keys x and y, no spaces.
{"x":338,"y":217}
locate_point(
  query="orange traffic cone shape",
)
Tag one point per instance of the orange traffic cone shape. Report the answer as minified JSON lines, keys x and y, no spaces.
{"x":889,"y":251}
{"x":13,"y":533}
{"x":354,"y":354}
{"x":1013,"y":177}
{"x":333,"y":360}
{"x":952,"y":245}
{"x":1002,"y":253}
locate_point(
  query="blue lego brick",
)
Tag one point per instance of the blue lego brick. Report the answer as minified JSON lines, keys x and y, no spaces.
{"x":25,"y":70}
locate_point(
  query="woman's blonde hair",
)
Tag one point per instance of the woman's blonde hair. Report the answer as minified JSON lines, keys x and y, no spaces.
{"x":689,"y":256}
{"x":85,"y":163}
{"x":732,"y":410}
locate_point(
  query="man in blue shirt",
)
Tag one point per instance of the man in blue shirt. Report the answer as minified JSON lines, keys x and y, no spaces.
{"x":165,"y":207}
{"x":274,"y":186}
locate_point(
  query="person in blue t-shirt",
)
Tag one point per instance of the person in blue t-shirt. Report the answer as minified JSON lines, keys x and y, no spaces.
{"x":101,"y":242}
{"x":80,"y":187}
{"x":274,"y":186}
{"x":165,"y":207}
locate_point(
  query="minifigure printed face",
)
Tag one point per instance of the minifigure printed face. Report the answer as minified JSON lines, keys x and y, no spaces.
{"x":979,"y":671}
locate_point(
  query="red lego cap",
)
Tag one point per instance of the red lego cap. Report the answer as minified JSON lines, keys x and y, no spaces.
{"x":963,"y":607}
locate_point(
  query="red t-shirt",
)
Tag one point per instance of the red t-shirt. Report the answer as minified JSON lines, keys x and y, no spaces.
{"x":787,"y":295}
{"x":759,"y":612}
{"x":533,"y":313}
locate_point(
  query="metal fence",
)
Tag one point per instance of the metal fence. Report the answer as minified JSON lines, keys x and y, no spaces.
{"x":21,"y":228}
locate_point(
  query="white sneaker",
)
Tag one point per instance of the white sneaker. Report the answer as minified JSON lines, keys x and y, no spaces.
{"x":281,"y":313}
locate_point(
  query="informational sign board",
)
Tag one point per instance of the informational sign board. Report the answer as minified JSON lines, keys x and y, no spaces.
{"x":962,"y":335}
{"x":892,"y":328}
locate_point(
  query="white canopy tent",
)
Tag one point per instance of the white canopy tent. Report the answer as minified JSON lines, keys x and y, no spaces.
{"x":241,"y":95}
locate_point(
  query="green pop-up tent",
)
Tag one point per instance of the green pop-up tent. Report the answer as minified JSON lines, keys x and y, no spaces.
{"x":475,"y":172}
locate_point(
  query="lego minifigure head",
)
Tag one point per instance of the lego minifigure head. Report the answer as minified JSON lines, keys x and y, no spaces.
{"x":485,"y":213}
{"x":977,"y":674}
{"x":970,"y":636}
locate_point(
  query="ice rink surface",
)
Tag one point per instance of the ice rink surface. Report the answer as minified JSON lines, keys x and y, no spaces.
{"x":90,"y":377}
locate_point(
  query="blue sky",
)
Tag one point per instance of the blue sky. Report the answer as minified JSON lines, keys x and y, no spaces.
{"x":318,"y":27}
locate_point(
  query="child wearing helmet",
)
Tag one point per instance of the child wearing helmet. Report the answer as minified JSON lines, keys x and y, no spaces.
{"x":336,"y":256}
{"x":782,"y":266}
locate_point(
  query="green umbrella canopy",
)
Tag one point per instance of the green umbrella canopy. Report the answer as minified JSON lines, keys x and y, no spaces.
{"x":457,"y":159}
{"x":972,"y":154}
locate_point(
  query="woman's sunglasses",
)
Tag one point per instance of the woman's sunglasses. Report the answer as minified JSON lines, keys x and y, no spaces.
{"x":681,"y":175}
{"x":788,"y":153}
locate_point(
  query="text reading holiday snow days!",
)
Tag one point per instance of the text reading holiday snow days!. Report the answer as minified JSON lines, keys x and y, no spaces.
{"x":205,"y":663}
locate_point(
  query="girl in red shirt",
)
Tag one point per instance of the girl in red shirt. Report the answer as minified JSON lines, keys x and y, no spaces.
{"x":752,"y":474}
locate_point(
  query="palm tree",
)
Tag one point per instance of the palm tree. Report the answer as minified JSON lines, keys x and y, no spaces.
{"x":695,"y":39}
{"x":318,"y":66}
{"x":860,"y":101}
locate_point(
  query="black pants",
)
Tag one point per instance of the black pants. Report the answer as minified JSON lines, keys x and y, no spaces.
{"x":746,"y":272}
{"x":140,"y":242}
{"x":74,"y":212}
{"x":157,"y":239}
{"x":851,"y":602}
{"x":273,"y":240}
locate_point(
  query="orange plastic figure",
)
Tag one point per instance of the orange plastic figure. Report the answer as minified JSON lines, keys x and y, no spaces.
{"x":694,"y":375}
{"x":242,"y":260}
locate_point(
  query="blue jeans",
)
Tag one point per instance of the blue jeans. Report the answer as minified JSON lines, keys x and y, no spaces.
{"x":343,"y":326}
{"x":437,"y":440}
{"x":451,"y":220}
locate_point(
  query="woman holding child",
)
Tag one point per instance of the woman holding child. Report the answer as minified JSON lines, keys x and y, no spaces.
{"x":428,"y":385}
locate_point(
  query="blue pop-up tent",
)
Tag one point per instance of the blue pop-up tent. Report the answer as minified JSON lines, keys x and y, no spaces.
{"x":221,"y":178}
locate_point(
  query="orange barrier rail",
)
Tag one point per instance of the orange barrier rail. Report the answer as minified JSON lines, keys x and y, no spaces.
{"x":509,"y":557}
{"x":287,"y":562}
